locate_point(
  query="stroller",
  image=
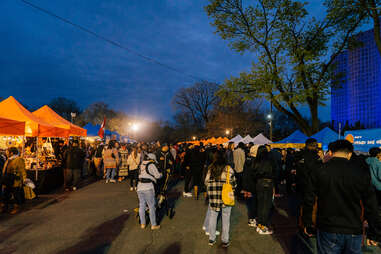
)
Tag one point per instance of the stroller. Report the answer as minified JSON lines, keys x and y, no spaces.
{"x":162,"y":204}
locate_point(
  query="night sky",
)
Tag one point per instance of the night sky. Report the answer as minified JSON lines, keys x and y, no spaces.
{"x":42,"y":57}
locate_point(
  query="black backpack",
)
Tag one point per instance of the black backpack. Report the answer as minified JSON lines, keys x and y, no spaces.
{"x":146,"y":180}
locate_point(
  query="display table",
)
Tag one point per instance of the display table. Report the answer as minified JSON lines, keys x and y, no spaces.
{"x":47,"y":180}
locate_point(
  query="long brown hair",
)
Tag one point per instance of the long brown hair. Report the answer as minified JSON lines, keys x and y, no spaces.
{"x":218,"y":165}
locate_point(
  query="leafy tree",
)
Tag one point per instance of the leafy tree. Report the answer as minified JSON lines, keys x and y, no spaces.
{"x":368,"y":10}
{"x":95,"y":114}
{"x":197,"y":101}
{"x":295,"y":53}
{"x":242,"y":118}
{"x":64,"y":107}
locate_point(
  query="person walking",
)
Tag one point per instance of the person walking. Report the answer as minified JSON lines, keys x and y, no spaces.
{"x":344,"y":197}
{"x":147,"y":177}
{"x":263,"y":173}
{"x":239,"y":158}
{"x":97,"y":158}
{"x":133,"y":162}
{"x":218,"y":174}
{"x":110,"y":160}
{"x":249,"y":182}
{"x":123,"y":165}
{"x":74,"y":162}
{"x":14,"y":176}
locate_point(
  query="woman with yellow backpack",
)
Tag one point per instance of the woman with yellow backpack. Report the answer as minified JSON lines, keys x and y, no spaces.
{"x":220,"y":182}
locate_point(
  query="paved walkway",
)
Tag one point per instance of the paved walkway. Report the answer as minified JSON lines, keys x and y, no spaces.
{"x":93,"y":220}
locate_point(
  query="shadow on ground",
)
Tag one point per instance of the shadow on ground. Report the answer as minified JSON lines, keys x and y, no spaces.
{"x":99,"y":239}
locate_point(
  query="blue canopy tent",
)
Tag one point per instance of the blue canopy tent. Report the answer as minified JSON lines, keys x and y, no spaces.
{"x":297,"y":138}
{"x":128,"y":140}
{"x":326,"y":136}
{"x":363,"y":140}
{"x":92,"y":131}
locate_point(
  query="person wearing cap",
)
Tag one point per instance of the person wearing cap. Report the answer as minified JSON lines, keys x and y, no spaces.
{"x":147,"y":178}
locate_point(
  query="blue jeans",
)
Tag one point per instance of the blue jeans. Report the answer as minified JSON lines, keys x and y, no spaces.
{"x":110,"y":173}
{"x":206,"y":221}
{"x":331,"y":243}
{"x":147,"y":197}
{"x":225,"y":224}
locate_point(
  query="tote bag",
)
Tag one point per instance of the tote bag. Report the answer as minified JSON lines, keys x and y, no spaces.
{"x":227,"y":191}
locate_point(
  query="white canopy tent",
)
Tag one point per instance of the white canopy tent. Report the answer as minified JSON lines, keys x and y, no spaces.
{"x":247,"y":139}
{"x":260,"y":139}
{"x":236,"y":139}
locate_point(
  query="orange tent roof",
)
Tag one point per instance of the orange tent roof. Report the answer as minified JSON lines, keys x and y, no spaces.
{"x":221,"y":140}
{"x":10,"y":108}
{"x":47,"y":114}
{"x":11,"y":127}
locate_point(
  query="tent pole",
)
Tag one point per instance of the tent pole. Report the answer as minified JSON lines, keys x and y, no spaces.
{"x":38,"y":161}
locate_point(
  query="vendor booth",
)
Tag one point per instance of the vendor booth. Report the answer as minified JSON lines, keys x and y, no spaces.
{"x":363,"y":140}
{"x":35,"y":141}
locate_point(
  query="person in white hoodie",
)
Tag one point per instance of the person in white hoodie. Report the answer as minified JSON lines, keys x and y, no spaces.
{"x":148,"y":176}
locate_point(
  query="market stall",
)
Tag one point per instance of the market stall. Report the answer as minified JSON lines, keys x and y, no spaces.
{"x":36,"y":138}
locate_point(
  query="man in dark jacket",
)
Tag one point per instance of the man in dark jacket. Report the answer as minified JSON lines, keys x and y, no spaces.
{"x":344,"y":196}
{"x":307,"y":161}
{"x":74,"y":161}
{"x":165,"y":165}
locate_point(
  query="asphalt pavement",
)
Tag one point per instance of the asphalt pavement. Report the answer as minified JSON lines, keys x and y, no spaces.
{"x":100,"y":218}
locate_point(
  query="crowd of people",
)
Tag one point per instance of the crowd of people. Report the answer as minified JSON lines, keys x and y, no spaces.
{"x":332,"y":195}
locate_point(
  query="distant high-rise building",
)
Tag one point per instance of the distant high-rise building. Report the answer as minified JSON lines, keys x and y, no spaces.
{"x":356,"y":100}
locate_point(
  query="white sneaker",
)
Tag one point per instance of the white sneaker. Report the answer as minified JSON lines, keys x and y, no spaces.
{"x":203,"y":228}
{"x":263,"y":230}
{"x":132,"y":189}
{"x":217,"y":233}
{"x":74,"y":188}
{"x":112,"y":181}
{"x":107,"y":181}
{"x":187,"y":194}
{"x":252,"y":223}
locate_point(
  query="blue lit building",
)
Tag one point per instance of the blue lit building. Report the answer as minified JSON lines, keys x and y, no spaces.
{"x":357,"y":99}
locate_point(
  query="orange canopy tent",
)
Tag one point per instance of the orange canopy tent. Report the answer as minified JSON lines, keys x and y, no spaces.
{"x":10,"y":127}
{"x":34,"y":127}
{"x":220,"y":140}
{"x":47,"y":114}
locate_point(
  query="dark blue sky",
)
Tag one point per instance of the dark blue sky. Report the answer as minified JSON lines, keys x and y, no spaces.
{"x":43,"y":58}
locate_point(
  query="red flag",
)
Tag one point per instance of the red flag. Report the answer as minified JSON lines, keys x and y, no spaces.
{"x":101,"y":131}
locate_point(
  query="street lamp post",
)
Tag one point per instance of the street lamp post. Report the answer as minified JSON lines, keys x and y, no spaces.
{"x":270,"y":118}
{"x":73,"y":115}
